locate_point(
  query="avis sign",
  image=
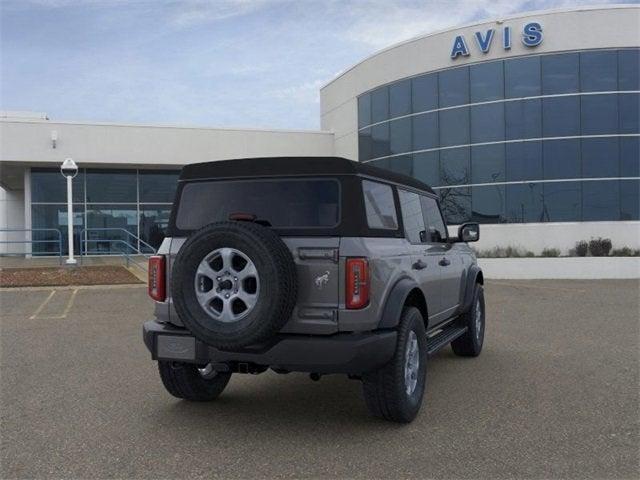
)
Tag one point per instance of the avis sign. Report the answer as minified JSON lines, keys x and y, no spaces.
{"x":531,"y":37}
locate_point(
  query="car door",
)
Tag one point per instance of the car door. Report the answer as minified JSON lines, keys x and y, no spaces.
{"x":424,"y":266}
{"x":450,"y":265}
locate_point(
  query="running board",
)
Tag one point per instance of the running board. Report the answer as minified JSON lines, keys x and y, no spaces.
{"x":444,"y":338}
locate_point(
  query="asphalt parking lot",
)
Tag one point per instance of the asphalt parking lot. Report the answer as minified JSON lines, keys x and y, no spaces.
{"x":553,"y":395}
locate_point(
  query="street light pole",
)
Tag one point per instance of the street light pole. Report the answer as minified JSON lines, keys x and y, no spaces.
{"x":69,"y":169}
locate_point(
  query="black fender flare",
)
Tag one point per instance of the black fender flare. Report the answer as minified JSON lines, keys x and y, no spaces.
{"x":474,"y":275}
{"x":395,"y":302}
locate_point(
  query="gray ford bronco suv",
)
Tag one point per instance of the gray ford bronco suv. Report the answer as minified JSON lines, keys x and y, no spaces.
{"x":318,"y":265}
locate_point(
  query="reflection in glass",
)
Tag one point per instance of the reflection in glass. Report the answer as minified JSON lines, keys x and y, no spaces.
{"x":560,"y":73}
{"x":400,"y":98}
{"x":487,"y":81}
{"x":454,"y":127}
{"x":561,"y":159}
{"x":600,"y":201}
{"x":48,"y":185}
{"x":487,"y":163}
{"x":111,"y":186}
{"x":401,"y":164}
{"x":379,"y":205}
{"x":424,"y":92}
{"x":154,"y":220}
{"x":487,"y":123}
{"x":55,"y":216}
{"x":454,"y":166}
{"x":426,"y":167}
{"x":600,"y":157}
{"x":629,"y":112}
{"x":117,"y":219}
{"x":523,"y":161}
{"x":630,"y":157}
{"x":599,"y":71}
{"x":456,"y":204}
{"x":380,"y":104}
{"x":412,"y":218}
{"x":599,"y":114}
{"x":630,"y":200}
{"x":523,"y":119}
{"x":158,"y":187}
{"x":629,"y":69}
{"x":488,"y":204}
{"x":524,"y":203}
{"x":522,"y":77}
{"x":561,"y":116}
{"x":400,"y":135}
{"x":365,"y":144}
{"x":425,"y":131}
{"x":562,"y":201}
{"x":380,"y":140}
{"x":454,"y":87}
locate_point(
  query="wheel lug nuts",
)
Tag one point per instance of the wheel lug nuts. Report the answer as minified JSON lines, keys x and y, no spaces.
{"x":235,"y":278}
{"x":218,"y":278}
{"x":226,"y":296}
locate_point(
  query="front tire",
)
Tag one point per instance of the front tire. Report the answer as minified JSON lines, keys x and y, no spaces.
{"x":470,"y":344}
{"x":185,"y":380}
{"x":395,"y":391}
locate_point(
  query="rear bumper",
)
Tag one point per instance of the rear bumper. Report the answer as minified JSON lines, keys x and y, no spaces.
{"x":351,"y":353}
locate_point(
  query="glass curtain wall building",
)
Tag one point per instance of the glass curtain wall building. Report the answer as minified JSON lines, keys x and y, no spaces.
{"x":539,"y":138}
{"x":108,"y":203}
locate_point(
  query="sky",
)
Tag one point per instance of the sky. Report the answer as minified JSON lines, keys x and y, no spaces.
{"x":217,"y":63}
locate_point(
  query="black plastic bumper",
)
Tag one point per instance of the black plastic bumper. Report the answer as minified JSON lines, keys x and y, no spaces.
{"x":351,"y":353}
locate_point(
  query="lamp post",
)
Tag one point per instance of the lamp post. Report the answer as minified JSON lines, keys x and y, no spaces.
{"x":69,"y":169}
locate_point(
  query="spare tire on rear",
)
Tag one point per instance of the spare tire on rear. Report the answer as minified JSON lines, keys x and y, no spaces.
{"x":234,"y":284}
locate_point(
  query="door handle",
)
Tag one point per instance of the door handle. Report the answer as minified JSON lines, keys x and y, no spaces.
{"x":419,"y":265}
{"x":444,"y":262}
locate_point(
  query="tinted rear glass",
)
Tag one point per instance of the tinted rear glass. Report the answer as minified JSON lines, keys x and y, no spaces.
{"x":293,"y":203}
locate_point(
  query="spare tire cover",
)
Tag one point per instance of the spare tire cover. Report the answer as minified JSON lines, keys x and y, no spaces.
{"x":234,"y":284}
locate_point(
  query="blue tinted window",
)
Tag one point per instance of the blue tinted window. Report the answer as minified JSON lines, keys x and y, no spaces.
{"x":487,"y":204}
{"x":522,"y":77}
{"x":487,"y":163}
{"x":560,"y":73}
{"x":158,"y":187}
{"x":629,"y":69}
{"x":561,"y":116}
{"x":380,"y":140}
{"x":456,"y":204}
{"x":401,"y":164}
{"x":454,"y":166}
{"x":115,"y":217}
{"x":454,"y":87}
{"x":425,"y":131}
{"x":53,"y":216}
{"x":523,"y":119}
{"x":600,"y":157}
{"x":154,"y":222}
{"x":424,"y":91}
{"x":49,"y":186}
{"x":598,"y":71}
{"x":487,"y":81}
{"x":112,"y":186}
{"x":400,"y":135}
{"x":600,"y":200}
{"x":523,"y":161}
{"x":561,"y":159}
{"x":524,"y":203}
{"x":629,"y":111}
{"x":629,"y":200}
{"x":400,"y":98}
{"x":426,"y":167}
{"x":454,"y":127}
{"x":599,"y":114}
{"x":364,"y":110}
{"x":562,"y":201}
{"x":365,"y":145}
{"x":379,"y":105}
{"x":630,"y":157}
{"x":487,"y":123}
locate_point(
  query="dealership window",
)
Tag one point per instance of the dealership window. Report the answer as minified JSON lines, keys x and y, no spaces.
{"x":401,"y":164}
{"x":424,"y":92}
{"x":54,"y":217}
{"x":456,"y":204}
{"x":400,"y":98}
{"x":454,"y":87}
{"x":426,"y":167}
{"x":487,"y":204}
{"x":154,"y":220}
{"x":380,"y":140}
{"x":561,"y":116}
{"x":454,"y":127}
{"x":522,"y":77}
{"x":380,"y":104}
{"x":561,"y":159}
{"x":425,"y":131}
{"x":599,"y":71}
{"x":523,"y":119}
{"x":487,"y":163}
{"x":562,"y":201}
{"x":600,"y":157}
{"x":523,"y":161}
{"x":364,"y":110}
{"x":630,"y":200}
{"x":49,"y":186}
{"x":487,"y":123}
{"x":454,"y":166}
{"x":599,"y":114}
{"x":600,"y":200}
{"x":630,"y":157}
{"x":400,"y":135}
{"x":629,"y":104}
{"x":629,"y":69}
{"x":111,"y":186}
{"x":365,"y":144}
{"x":524,"y":203}
{"x":560,"y":73}
{"x":486,"y":81}
{"x":158,"y":187}
{"x":117,"y":220}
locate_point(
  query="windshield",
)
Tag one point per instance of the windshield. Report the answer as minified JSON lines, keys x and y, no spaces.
{"x":283,"y":203}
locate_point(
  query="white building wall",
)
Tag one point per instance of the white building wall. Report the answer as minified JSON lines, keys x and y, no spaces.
{"x":11,"y":216}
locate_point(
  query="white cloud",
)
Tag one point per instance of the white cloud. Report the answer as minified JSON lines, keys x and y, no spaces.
{"x":194,"y":12}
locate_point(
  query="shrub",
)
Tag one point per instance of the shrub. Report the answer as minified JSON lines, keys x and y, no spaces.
{"x":505,"y":252}
{"x":582,"y":248}
{"x":625,"y":252}
{"x":600,"y":247}
{"x":550,"y":252}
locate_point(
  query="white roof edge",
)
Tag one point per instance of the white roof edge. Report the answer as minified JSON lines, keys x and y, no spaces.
{"x":143,"y":125}
{"x":515,"y":16}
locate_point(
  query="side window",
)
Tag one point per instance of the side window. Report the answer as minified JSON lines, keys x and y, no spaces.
{"x":412,"y":216}
{"x":379,"y":205}
{"x":433,"y":219}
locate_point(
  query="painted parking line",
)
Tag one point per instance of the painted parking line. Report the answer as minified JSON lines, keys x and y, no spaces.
{"x":65,"y":312}
{"x":42,"y":305}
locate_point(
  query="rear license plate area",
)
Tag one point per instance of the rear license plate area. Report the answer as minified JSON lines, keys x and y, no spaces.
{"x":176,"y":347}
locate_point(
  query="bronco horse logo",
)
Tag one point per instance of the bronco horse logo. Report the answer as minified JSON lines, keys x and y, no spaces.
{"x":322,"y":280}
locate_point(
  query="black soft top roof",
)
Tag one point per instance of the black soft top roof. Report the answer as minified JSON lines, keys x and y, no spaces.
{"x":292,"y":166}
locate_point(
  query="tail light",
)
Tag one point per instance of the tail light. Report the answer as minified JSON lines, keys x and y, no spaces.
{"x":157,"y":278}
{"x":357,"y":283}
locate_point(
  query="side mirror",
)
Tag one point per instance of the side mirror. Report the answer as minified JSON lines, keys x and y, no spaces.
{"x":469,"y":232}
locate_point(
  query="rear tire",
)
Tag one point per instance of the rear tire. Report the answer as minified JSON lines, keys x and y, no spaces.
{"x":390,"y":392}
{"x":184,"y":380}
{"x":470,"y":344}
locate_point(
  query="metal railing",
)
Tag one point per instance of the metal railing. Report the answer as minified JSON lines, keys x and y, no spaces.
{"x":131,"y":245}
{"x":31,"y":241}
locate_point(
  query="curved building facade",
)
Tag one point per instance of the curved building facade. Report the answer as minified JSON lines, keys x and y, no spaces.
{"x":527,"y":120}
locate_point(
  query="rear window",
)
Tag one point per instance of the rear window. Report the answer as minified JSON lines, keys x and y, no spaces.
{"x":293,"y":203}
